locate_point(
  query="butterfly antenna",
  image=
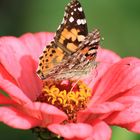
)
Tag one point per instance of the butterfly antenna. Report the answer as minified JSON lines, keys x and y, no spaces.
{"x":74,"y":85}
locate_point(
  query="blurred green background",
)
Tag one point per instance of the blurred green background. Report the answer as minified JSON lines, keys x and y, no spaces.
{"x":118,"y":21}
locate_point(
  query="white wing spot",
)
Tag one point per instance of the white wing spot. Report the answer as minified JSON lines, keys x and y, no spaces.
{"x":80,"y":9}
{"x":72,"y":13}
{"x":58,"y":27}
{"x":63,"y":21}
{"x":83,"y":21}
{"x":65,"y":14}
{"x":75,"y":9}
{"x":79,"y":21}
{"x":71,"y":19}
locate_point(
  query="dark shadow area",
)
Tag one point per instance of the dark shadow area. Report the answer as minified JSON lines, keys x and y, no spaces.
{"x":7,"y":133}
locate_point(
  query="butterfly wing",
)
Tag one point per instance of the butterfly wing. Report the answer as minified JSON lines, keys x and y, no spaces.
{"x":69,"y":35}
{"x":73,"y":28}
{"x":80,"y":63}
{"x":50,"y":57}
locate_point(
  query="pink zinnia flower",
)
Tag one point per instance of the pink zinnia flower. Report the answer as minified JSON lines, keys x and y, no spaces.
{"x":115,"y":96}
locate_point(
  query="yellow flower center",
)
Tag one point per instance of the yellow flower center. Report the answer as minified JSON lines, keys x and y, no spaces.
{"x":70,"y":96}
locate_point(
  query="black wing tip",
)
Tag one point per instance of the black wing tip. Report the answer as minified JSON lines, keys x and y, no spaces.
{"x":74,"y":2}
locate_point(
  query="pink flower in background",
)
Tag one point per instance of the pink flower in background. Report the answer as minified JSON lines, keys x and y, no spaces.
{"x":115,"y":92}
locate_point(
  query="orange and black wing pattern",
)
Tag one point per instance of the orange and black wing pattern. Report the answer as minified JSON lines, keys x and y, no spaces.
{"x":71,"y":32}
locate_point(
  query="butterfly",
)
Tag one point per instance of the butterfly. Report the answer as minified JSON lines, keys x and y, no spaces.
{"x":72,"y":53}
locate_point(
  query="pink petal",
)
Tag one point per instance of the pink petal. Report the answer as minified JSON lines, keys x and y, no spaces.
{"x":102,"y":110}
{"x":6,"y":75}
{"x":107,"y":56}
{"x":46,"y":113}
{"x":44,"y":38}
{"x":133,"y":127}
{"x":105,"y":59}
{"x":36,"y":42}
{"x":101,"y":131}
{"x":13,"y":91}
{"x":11,"y":51}
{"x":106,"y":107}
{"x":17,"y":119}
{"x":72,"y":131}
{"x":131,"y":100}
{"x":16,"y":59}
{"x":130,"y":96}
{"x":120,"y":77}
{"x":5,"y":100}
{"x":128,"y":115}
{"x":81,"y":131}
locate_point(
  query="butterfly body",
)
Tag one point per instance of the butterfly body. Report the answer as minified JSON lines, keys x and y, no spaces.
{"x":72,"y":53}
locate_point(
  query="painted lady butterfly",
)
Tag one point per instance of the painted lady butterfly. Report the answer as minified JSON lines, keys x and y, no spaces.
{"x":72,"y":53}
